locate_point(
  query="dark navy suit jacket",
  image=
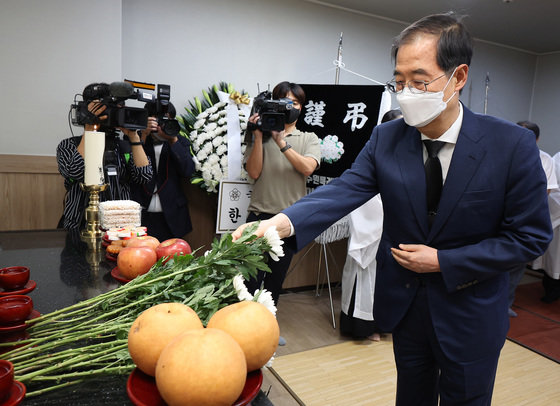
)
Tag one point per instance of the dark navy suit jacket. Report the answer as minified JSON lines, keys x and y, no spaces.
{"x":175,"y":166}
{"x":492,"y":216}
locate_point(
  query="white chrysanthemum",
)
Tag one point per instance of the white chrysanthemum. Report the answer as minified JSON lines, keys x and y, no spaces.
{"x":210,"y":127}
{"x":224,"y":160}
{"x":264,"y":297}
{"x":273,"y":239}
{"x":207,"y":177}
{"x":241,"y":289}
{"x":221,"y":150}
{"x":207,"y":148}
{"x":212,"y":109}
{"x":202,"y":137}
{"x":222,"y":121}
{"x":202,"y":156}
{"x":218,"y":141}
{"x":222,"y":112}
{"x":221,"y":130}
{"x":213,"y":159}
{"x":202,"y":116}
{"x":331,"y":149}
{"x":198,"y":124}
{"x":193,"y":133}
{"x":217,"y":173}
{"x":214,"y":117}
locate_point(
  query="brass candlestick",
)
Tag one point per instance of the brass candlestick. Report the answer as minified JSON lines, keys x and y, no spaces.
{"x":92,"y":233}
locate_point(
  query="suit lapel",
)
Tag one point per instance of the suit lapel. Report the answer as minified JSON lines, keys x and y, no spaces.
{"x":410,"y":160}
{"x":467,"y":155}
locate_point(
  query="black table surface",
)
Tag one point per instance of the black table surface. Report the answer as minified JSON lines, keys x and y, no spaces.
{"x":66,"y":273}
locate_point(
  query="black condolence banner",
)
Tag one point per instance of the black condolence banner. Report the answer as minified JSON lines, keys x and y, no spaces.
{"x":343,"y":117}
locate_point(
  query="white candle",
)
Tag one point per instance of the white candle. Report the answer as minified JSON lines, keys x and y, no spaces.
{"x":93,"y":157}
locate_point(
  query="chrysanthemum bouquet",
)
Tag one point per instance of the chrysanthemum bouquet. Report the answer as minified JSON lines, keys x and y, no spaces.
{"x":205,"y":124}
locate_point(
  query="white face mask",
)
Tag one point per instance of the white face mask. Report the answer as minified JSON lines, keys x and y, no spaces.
{"x":420,"y":109}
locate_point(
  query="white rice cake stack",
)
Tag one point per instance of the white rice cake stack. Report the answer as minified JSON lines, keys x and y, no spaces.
{"x":119,"y":213}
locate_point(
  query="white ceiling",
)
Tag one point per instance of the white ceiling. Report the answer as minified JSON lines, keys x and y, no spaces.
{"x":528,"y":25}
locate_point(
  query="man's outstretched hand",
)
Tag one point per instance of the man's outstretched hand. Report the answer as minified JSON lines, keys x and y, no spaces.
{"x":281,"y":222}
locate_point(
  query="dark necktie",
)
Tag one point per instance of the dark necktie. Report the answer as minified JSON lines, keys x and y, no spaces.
{"x":434,"y":177}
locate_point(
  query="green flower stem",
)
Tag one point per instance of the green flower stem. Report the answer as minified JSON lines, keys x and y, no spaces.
{"x":35,"y":361}
{"x":113,"y":370}
{"x":51,"y":388}
{"x":68,"y":362}
{"x":54,"y":341}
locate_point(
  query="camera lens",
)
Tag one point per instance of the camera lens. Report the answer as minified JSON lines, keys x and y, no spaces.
{"x":171,"y":127}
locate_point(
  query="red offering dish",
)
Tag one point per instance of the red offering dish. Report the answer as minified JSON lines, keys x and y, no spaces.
{"x":110,"y":258}
{"x":115,"y":273}
{"x":6,"y":378}
{"x":142,"y":389}
{"x":15,"y":396}
{"x":14,"y":277}
{"x":29,"y":286}
{"x":20,"y":326}
{"x":15,"y":309}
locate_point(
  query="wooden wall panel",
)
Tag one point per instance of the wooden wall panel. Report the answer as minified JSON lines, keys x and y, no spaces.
{"x":32,"y":193}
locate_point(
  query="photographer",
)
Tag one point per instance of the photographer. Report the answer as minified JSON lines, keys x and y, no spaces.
{"x":279,"y":163}
{"x":165,"y":210}
{"x":126,"y":157}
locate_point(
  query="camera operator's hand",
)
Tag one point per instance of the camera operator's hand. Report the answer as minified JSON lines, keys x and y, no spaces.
{"x":158,"y":133}
{"x":151,"y":126}
{"x":96,"y":107}
{"x":253,"y":119}
{"x":278,"y":137}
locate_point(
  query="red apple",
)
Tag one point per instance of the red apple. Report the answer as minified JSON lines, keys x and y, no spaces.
{"x":135,"y":261}
{"x":143,"y":241}
{"x":169,"y":248}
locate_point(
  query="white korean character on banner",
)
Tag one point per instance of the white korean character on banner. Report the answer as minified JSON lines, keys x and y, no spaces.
{"x":354,"y":114}
{"x":314,"y":113}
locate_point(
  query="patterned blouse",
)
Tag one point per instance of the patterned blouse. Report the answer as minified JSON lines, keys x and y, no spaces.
{"x":71,"y":167}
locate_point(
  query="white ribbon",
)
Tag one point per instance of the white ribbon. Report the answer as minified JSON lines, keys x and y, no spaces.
{"x":385,"y":105}
{"x":234,"y":134}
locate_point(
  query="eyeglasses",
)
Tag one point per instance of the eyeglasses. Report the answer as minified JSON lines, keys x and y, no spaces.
{"x":415,"y":86}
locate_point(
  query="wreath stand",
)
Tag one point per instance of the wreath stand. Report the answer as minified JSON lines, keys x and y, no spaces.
{"x":337,"y":231}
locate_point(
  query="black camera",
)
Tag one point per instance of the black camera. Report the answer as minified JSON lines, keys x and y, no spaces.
{"x":113,"y":97}
{"x":272,"y":113}
{"x":159,"y":108}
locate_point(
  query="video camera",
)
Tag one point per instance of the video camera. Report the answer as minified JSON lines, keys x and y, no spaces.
{"x":114,"y":95}
{"x":272,"y":113}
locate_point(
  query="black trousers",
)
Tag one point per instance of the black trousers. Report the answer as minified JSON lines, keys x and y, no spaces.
{"x":425,"y":373}
{"x":157,"y":226}
{"x":272,"y":281}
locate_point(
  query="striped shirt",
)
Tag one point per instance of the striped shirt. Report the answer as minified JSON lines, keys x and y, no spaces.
{"x":71,"y":167}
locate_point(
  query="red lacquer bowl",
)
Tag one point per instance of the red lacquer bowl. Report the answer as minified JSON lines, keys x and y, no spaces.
{"x":14,"y":277}
{"x":15,"y":309}
{"x":6,"y":378}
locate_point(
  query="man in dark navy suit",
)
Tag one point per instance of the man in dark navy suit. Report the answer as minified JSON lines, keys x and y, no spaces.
{"x":443,"y":261}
